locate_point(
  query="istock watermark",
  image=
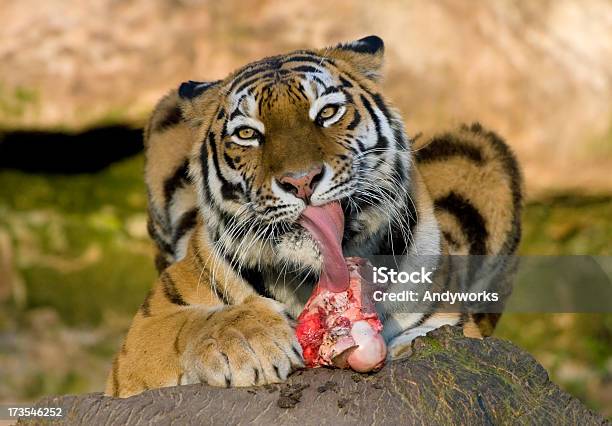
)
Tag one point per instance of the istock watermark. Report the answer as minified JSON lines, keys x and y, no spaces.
{"x":384,"y":275}
{"x":491,"y":284}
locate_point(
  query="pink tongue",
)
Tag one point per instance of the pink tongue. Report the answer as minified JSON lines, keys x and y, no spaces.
{"x":326,"y":225}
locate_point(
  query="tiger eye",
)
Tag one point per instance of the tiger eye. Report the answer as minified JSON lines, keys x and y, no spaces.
{"x":328,"y":112}
{"x":246,"y":133}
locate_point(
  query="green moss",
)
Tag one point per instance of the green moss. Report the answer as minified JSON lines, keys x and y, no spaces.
{"x":83,"y":297}
{"x":428,"y":347}
{"x":14,"y":102}
{"x":51,"y":384}
{"x":73,"y":243}
{"x":568,"y":224}
{"x":120,"y":186}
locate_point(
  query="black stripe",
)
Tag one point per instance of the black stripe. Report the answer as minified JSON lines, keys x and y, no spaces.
{"x":306,"y":68}
{"x":178,"y":337}
{"x":332,"y":188}
{"x":213,"y":149}
{"x":230,"y":220}
{"x":198,"y":259}
{"x":271,"y":209}
{"x":229,"y":191}
{"x":269,"y":65}
{"x":317,"y":79}
{"x":229,"y":160}
{"x":446,"y":146}
{"x":186,"y":223}
{"x":252,"y":276}
{"x":221,"y":295}
{"x":236,"y":112}
{"x":246,"y":74}
{"x":399,"y":169}
{"x":163,"y":246}
{"x":343,"y":72}
{"x":395,"y":127}
{"x":170,"y":290}
{"x":156,"y":216}
{"x":294,"y":95}
{"x":332,"y":89}
{"x":204,"y":162}
{"x":381,"y":104}
{"x":512,"y":169}
{"x":260,"y":98}
{"x":399,"y":135}
{"x":491,"y":317}
{"x":450,"y":239}
{"x":296,"y":91}
{"x":472,"y":222}
{"x":224,"y":128}
{"x":424,"y":318}
{"x":368,"y":106}
{"x":228,"y":379}
{"x":382,"y":141}
{"x":145,"y":308}
{"x":200,"y":266}
{"x":178,"y":178}
{"x":308,"y":58}
{"x":257,"y":79}
{"x":412,"y":213}
{"x":345,"y":82}
{"x":172,"y":117}
{"x":161,"y":262}
{"x":355,"y":121}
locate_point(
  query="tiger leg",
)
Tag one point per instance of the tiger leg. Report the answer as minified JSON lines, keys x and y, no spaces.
{"x":185,"y":334}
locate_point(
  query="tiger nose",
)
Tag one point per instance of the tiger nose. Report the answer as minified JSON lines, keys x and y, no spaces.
{"x":301,"y":184}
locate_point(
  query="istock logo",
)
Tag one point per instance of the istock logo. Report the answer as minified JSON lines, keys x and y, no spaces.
{"x":384,"y":275}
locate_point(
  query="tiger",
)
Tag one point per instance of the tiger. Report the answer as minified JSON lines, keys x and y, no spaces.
{"x":229,"y":167}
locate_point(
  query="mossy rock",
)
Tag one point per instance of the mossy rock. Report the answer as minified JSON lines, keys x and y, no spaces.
{"x":446,"y":379}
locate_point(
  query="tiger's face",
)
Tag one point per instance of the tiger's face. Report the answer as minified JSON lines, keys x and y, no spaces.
{"x":306,"y":128}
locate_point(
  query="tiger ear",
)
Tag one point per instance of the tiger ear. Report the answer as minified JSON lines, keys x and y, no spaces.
{"x":197,"y":98}
{"x":365,"y":54}
{"x":191,"y":89}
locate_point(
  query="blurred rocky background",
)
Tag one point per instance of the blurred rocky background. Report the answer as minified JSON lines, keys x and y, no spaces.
{"x":75,"y":260}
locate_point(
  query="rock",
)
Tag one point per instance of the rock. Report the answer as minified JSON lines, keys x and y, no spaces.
{"x":447,"y":379}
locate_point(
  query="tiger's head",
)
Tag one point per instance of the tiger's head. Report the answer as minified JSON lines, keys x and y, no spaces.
{"x":305,"y":128}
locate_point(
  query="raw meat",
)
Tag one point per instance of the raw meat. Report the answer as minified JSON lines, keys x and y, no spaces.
{"x":339,"y":325}
{"x":342,"y":329}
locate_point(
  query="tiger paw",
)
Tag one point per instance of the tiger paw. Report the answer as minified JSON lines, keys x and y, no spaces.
{"x":243,"y":345}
